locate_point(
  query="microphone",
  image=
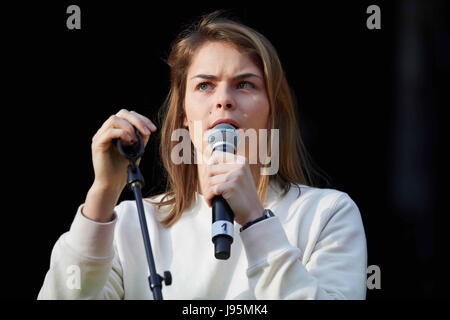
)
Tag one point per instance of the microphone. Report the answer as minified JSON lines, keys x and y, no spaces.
{"x":222,"y":137}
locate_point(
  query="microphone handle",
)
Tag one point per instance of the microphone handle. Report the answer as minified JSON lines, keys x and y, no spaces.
{"x":222,"y":228}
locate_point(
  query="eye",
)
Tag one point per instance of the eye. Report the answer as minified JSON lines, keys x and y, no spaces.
{"x":245,"y":85}
{"x":203,"y":86}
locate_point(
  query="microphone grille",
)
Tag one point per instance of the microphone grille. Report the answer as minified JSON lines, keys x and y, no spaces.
{"x":223,"y":137}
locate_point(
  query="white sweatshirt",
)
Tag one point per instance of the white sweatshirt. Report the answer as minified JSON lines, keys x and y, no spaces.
{"x":314,"y":248}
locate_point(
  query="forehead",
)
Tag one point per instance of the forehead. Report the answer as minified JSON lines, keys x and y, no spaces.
{"x":218,"y":58}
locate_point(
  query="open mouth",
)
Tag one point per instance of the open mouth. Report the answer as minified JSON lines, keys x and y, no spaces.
{"x":229,"y":121}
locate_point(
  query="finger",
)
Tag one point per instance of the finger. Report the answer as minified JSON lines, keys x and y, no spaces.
{"x":136,"y":121}
{"x":207,"y":198}
{"x":220,"y":188}
{"x":146,"y":120}
{"x":218,"y":179}
{"x":104,"y":139}
{"x":207,"y":195}
{"x":117,"y":123}
{"x":148,"y":123}
{"x":210,"y":194}
{"x":219,"y":168}
{"x":221,"y":157}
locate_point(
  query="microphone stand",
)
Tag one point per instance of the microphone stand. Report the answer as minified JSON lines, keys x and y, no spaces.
{"x":135,"y":183}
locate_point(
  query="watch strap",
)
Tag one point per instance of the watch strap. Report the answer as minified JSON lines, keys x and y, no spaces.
{"x":266,"y":214}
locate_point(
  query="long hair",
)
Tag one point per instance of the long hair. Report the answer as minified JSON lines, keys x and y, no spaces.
{"x":182,"y":179}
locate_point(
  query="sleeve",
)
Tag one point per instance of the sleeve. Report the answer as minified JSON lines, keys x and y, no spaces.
{"x":84,"y":263}
{"x":336,"y":268}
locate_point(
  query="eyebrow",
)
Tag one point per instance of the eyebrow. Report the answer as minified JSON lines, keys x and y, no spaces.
{"x":238,"y":77}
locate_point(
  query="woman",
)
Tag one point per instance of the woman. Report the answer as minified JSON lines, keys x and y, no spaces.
{"x":311,"y":245}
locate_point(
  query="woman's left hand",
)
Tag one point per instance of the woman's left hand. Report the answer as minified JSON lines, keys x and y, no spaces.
{"x":230,"y":176}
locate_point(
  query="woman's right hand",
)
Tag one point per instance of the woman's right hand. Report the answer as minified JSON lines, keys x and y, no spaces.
{"x":110,"y":167}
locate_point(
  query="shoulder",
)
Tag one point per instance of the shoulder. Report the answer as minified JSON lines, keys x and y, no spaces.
{"x":315,"y":204}
{"x":330,"y":210}
{"x":323,"y":198}
{"x":320,"y":213}
{"x":300,"y":194}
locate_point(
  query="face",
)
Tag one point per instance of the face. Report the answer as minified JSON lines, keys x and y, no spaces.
{"x":223,"y":83}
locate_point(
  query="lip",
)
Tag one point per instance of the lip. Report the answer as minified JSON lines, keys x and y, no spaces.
{"x":225,"y":120}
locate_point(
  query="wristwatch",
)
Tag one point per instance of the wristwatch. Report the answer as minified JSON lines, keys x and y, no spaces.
{"x":266,"y":214}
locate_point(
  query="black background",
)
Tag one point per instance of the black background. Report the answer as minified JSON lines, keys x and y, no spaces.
{"x":354,"y":104}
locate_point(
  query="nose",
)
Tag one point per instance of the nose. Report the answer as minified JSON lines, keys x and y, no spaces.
{"x":224,"y":99}
{"x":228,"y":105}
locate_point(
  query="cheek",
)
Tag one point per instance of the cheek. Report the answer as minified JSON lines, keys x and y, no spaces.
{"x":195,"y":107}
{"x":197,"y":128}
{"x":197,"y":115}
{"x":258,"y":112}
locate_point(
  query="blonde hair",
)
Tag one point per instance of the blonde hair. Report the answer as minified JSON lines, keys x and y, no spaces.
{"x":182,"y":179}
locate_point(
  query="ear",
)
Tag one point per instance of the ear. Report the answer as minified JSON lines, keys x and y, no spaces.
{"x":185,"y":122}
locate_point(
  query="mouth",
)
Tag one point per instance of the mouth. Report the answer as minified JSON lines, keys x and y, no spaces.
{"x":230,"y":121}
